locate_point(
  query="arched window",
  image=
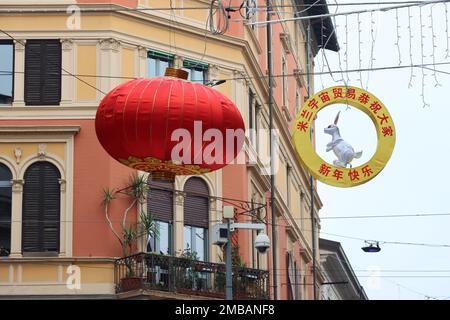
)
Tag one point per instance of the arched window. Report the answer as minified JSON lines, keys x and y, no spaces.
{"x":5,"y":210}
{"x":196,"y":217}
{"x":160,"y":206}
{"x":41,"y":209}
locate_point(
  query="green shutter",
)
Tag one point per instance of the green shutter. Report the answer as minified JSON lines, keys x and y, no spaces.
{"x":154,"y":54}
{"x":192,"y":64}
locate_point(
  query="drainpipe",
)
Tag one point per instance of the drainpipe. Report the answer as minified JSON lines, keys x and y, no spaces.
{"x":311,"y":179}
{"x":272,"y":152}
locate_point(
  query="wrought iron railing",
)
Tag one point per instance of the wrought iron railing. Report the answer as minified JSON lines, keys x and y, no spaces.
{"x":181,"y":275}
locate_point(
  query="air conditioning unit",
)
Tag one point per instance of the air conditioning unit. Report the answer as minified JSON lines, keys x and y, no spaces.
{"x":220,"y":234}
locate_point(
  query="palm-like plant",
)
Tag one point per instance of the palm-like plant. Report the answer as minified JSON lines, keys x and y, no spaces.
{"x":136,"y":191}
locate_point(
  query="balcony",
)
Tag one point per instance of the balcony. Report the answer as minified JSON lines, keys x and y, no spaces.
{"x":151,"y":272}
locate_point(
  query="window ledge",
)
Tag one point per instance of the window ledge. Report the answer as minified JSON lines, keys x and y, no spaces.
{"x":30,"y":129}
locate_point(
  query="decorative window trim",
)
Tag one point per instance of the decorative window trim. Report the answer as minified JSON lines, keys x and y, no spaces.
{"x":286,"y":42}
{"x":42,"y":135}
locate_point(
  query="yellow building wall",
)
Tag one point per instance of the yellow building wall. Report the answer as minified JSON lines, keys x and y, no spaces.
{"x":128,"y":63}
{"x":39,"y":273}
{"x":199,"y":15}
{"x":281,"y":179}
{"x":48,"y":276}
{"x":87,"y":65}
{"x":4,"y":273}
{"x":295,"y":203}
{"x":124,"y":25}
{"x":31,"y":149}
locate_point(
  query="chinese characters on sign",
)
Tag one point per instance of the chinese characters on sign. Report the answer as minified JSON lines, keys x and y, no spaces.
{"x":364,"y":101}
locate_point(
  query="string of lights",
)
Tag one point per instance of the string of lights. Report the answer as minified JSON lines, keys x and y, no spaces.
{"x":425,"y":104}
{"x":433,"y":45}
{"x":397,"y":43}
{"x":372,"y":48}
{"x":447,"y":35}
{"x":320,"y":16}
{"x":359,"y":50}
{"x":346,"y":48}
{"x":411,"y":75}
{"x":339,"y":51}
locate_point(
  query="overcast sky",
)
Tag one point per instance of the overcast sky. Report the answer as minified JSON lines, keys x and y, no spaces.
{"x":416,"y":178}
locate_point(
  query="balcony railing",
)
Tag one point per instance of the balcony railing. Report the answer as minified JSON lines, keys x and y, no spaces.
{"x":151,"y":271}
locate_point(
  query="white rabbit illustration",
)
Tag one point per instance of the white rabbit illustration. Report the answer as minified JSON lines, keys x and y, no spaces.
{"x":343,"y":151}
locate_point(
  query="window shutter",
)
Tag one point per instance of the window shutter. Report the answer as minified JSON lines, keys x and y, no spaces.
{"x":52,"y":73}
{"x":43,"y":72}
{"x":196,"y":203}
{"x":41,"y":208}
{"x":160,"y":200}
{"x":33,"y":72}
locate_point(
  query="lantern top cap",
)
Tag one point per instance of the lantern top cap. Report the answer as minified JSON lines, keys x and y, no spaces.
{"x":176,"y":73}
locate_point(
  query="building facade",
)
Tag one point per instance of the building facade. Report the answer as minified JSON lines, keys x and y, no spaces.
{"x":58,"y":59}
{"x":340,"y":281}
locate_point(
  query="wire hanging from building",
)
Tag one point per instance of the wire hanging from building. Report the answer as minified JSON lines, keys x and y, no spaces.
{"x":219,"y":25}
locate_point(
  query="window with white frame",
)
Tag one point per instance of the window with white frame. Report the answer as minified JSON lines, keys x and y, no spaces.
{"x":158,"y":62}
{"x":297,"y":101}
{"x":284,"y":80}
{"x":160,"y":207}
{"x":198,"y":71}
{"x":288,"y":184}
{"x":196,"y":218}
{"x":5,"y":210}
{"x":6,"y":71}
{"x":41,"y":209}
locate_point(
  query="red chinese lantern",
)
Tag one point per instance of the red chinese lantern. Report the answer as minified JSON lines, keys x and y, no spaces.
{"x":136,"y":124}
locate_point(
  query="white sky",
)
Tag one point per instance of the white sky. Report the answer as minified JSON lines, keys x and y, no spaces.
{"x":416,"y":178}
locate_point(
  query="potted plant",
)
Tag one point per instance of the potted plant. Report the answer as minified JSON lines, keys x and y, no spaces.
{"x":129,"y":234}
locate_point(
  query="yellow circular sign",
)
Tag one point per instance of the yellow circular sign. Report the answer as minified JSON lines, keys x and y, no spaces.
{"x":333,"y":174}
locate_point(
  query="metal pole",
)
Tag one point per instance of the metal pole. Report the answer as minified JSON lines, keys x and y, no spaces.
{"x":228,"y":280}
{"x":272,"y":151}
{"x":311,"y":179}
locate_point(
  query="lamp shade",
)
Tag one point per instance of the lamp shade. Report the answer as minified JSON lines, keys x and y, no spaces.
{"x":140,"y":122}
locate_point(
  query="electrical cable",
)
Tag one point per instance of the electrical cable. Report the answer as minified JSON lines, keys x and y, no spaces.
{"x":384,"y":9}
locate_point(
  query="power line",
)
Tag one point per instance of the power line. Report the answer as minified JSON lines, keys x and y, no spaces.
{"x":387,"y":216}
{"x":425,"y":65}
{"x":62,"y":68}
{"x":391,"y":242}
{"x":190,"y":8}
{"x":328,"y":15}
